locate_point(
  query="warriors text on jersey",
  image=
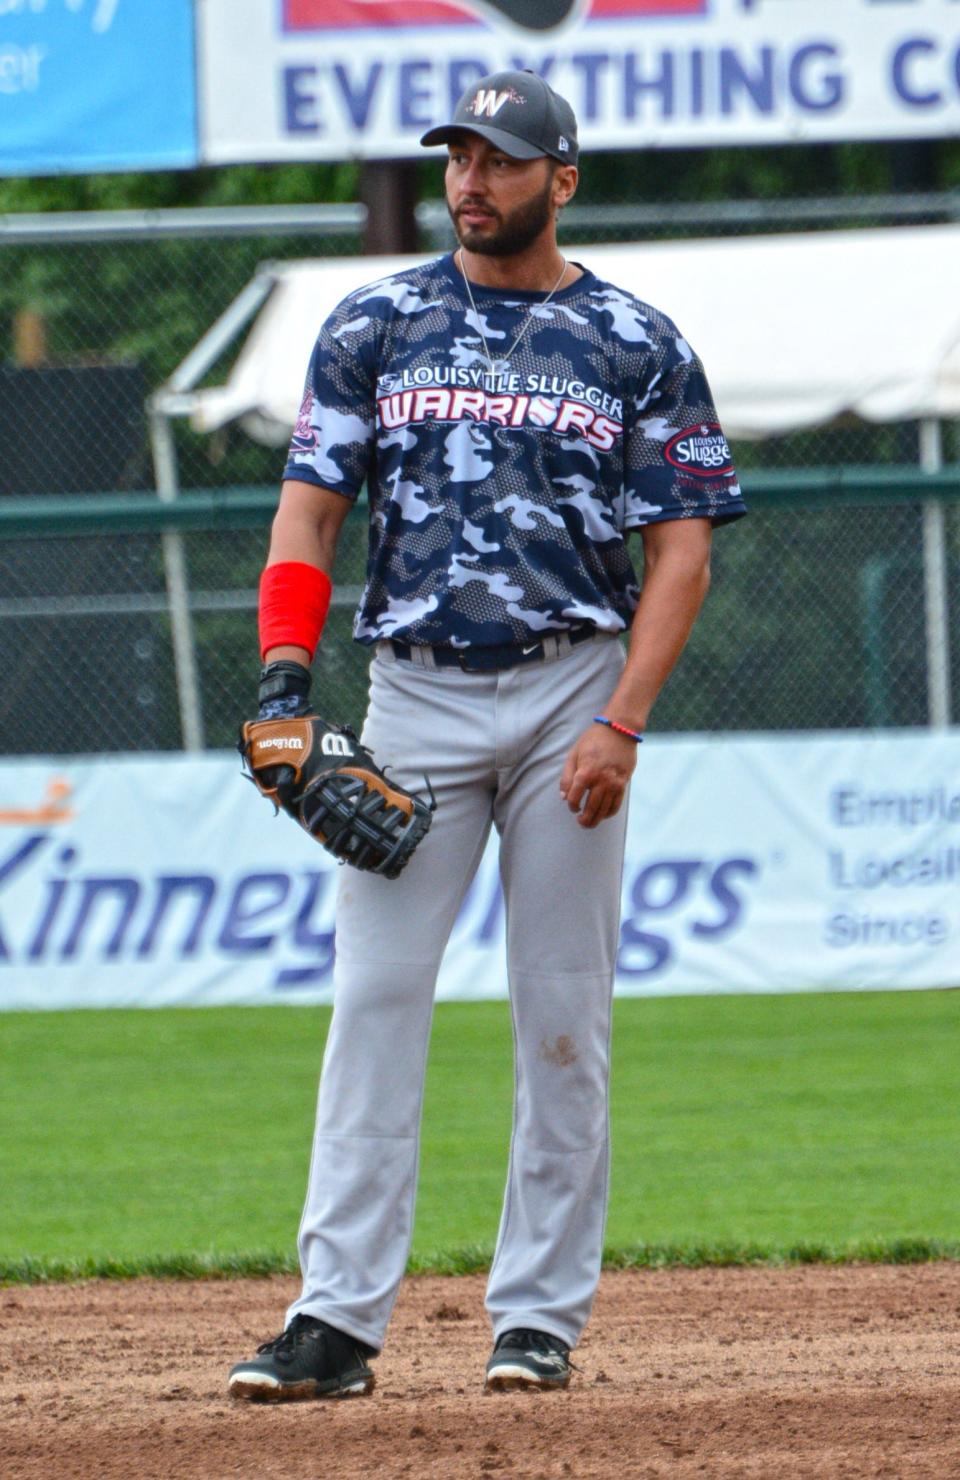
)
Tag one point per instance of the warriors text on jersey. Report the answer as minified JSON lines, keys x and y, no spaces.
{"x":500,"y":498}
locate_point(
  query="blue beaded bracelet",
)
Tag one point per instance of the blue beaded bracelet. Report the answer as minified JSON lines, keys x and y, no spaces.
{"x":601,"y":719}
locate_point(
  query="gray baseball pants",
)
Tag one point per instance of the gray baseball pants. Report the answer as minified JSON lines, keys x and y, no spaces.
{"x":494,"y":747}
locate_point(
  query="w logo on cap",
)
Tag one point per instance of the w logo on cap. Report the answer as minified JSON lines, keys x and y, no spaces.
{"x":486,"y":101}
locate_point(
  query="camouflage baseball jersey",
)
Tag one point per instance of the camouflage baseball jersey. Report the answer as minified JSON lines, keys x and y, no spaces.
{"x":500,"y":498}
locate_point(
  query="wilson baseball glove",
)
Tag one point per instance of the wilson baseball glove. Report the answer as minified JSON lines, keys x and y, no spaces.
{"x":330,"y":783}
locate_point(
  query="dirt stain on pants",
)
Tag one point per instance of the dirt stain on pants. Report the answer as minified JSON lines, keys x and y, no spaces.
{"x":562,"y":1052}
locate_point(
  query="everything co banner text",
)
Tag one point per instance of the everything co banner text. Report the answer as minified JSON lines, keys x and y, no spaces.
{"x":754,"y":864}
{"x":309,"y":79}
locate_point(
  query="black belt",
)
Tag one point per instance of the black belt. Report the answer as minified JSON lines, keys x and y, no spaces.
{"x":490,"y":659}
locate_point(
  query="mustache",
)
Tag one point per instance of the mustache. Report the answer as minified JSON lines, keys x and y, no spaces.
{"x":476,"y":205}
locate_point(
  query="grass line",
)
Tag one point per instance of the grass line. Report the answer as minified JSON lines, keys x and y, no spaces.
{"x":475,"y":1259}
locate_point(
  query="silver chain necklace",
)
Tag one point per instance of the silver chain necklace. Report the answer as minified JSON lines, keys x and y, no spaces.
{"x":505,"y":359}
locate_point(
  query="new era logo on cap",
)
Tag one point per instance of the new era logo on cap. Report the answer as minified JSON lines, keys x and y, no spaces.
{"x":517,"y":112}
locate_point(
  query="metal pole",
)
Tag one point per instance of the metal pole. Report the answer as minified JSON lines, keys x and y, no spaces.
{"x":178,"y":588}
{"x":873,"y":580}
{"x":211,"y":345}
{"x":169,"y":401}
{"x":935,"y":584}
{"x":24,"y":227}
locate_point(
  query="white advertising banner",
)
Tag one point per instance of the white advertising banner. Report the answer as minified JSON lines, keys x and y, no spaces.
{"x":754,"y":864}
{"x":333,"y":79}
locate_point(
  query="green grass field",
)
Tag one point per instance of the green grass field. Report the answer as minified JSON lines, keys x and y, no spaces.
{"x":806,"y":1126}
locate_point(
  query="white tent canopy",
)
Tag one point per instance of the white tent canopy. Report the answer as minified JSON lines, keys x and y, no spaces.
{"x":794,"y":330}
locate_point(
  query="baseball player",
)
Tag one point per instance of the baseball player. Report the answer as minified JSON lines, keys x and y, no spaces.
{"x":514,"y":418}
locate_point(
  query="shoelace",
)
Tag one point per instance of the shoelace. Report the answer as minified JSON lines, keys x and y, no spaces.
{"x":537,"y":1341}
{"x":285,"y":1344}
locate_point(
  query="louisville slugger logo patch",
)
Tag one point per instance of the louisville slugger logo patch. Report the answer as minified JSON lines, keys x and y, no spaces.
{"x":702,"y":451}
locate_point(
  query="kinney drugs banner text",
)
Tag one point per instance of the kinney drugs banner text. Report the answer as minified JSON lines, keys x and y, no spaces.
{"x":754,"y":864}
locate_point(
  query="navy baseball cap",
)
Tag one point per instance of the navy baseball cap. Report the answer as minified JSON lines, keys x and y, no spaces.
{"x":516,"y":112}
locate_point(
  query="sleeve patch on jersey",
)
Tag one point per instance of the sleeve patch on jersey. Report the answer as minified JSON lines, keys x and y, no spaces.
{"x":702,"y":451}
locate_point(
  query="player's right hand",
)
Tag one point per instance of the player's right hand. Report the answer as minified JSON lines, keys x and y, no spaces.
{"x":597,"y":773}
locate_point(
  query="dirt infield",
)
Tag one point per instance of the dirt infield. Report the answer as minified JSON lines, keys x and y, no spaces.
{"x":746,"y":1372}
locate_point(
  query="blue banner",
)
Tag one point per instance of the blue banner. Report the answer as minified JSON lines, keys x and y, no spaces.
{"x":96,"y":85}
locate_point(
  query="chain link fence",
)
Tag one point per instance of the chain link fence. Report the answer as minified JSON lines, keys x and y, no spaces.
{"x":819,"y":616}
{"x":816,"y":620}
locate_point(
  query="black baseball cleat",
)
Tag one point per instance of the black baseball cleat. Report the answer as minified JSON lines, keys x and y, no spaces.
{"x":528,"y":1359}
{"x":308,"y":1360}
